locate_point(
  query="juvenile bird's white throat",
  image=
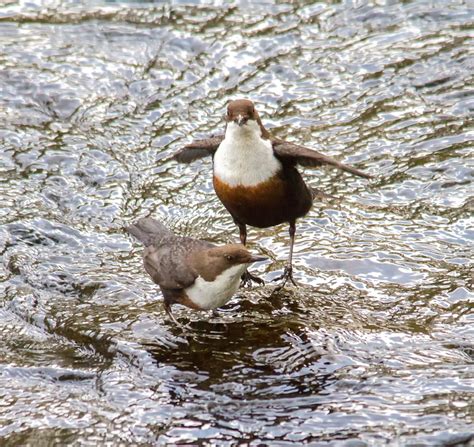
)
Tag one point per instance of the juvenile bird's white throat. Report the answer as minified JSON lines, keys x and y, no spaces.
{"x":244,"y":157}
{"x":213,"y":294}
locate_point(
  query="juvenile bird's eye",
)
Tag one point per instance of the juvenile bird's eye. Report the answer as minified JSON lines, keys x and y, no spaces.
{"x":229,"y":257}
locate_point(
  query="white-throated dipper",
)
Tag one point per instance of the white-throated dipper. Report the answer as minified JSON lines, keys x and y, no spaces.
{"x":255,"y":175}
{"x":191,"y":272}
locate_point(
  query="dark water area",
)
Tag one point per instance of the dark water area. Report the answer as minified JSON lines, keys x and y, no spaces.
{"x":376,"y":346}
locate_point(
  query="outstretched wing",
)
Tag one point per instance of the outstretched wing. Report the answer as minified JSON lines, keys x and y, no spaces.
{"x":198,"y":149}
{"x":309,"y":157}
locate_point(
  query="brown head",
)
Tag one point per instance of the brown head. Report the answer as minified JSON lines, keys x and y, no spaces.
{"x":241,"y":111}
{"x":212,"y":262}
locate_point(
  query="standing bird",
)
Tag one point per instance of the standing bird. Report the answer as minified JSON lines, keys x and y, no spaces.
{"x":255,"y":175}
{"x":191,"y":272}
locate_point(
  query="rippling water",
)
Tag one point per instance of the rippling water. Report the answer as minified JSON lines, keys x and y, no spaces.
{"x":376,"y":345}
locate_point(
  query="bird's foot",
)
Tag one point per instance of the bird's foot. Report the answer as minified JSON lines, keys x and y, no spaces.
{"x":171,"y":316}
{"x":247,"y":279}
{"x":287,"y":275}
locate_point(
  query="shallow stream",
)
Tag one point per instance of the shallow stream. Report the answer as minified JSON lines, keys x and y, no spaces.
{"x":376,"y":346}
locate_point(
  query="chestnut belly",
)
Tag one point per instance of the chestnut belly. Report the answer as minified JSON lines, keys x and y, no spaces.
{"x":269,"y":203}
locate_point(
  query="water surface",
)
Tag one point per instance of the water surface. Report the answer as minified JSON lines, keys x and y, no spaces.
{"x":376,"y":345}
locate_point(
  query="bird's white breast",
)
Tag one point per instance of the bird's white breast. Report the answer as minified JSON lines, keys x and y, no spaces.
{"x":244,"y":157}
{"x":212,"y":294}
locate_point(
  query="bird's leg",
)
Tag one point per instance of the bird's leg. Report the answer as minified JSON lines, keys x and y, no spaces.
{"x":247,"y":277}
{"x":288,"y":272}
{"x":170,"y":314}
{"x":242,"y":233}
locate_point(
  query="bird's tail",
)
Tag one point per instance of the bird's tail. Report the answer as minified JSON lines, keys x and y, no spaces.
{"x":148,"y":231}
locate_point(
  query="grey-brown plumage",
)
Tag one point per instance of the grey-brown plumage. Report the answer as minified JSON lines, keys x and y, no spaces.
{"x":166,"y":256}
{"x":191,"y":272}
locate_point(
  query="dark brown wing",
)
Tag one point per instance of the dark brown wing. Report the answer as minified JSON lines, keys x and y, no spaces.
{"x":308,"y":157}
{"x":198,"y":149}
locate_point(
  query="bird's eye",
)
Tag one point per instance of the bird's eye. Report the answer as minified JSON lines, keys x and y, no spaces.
{"x":229,"y":257}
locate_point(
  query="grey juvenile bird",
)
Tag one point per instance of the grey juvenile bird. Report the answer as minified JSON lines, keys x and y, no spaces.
{"x":191,"y":272}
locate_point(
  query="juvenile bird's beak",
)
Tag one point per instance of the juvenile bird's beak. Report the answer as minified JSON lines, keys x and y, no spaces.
{"x":255,"y":258}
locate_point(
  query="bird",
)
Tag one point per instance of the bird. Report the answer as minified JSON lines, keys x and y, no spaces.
{"x":191,"y":272}
{"x":255,"y":175}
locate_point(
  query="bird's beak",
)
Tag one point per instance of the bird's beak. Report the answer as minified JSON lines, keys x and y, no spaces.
{"x":255,"y":258}
{"x":241,"y":120}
